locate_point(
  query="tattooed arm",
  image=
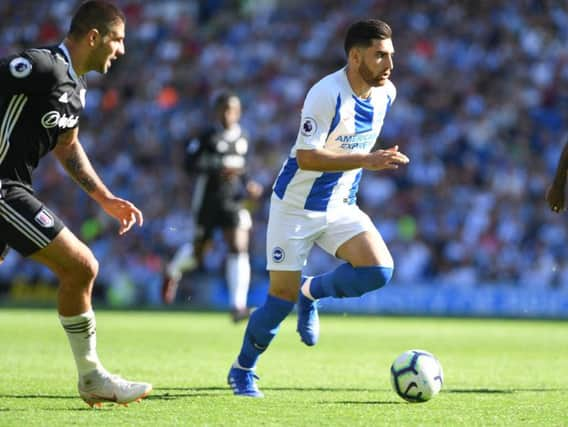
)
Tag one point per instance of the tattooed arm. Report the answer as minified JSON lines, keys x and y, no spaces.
{"x":73,"y":158}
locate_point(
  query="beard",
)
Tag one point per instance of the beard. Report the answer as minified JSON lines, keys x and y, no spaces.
{"x":368,"y":77}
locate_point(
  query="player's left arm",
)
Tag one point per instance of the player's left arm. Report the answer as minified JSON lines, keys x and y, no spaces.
{"x":73,"y":158}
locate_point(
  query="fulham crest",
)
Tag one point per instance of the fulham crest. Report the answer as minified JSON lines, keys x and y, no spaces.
{"x":44,"y":218}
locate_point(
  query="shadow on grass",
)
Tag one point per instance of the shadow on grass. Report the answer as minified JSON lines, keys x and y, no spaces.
{"x":329,"y":389}
{"x":213,"y":391}
{"x":85,"y":408}
{"x":171,"y":393}
{"x":210,"y":391}
{"x":363,"y":402}
{"x":36,"y":396}
{"x":502,"y":391}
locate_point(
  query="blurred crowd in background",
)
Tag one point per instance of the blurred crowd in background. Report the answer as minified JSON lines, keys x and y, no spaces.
{"x":482,"y":105}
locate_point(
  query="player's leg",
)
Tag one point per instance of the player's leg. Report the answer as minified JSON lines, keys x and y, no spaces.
{"x":237,"y":269}
{"x":182,"y":261}
{"x":36,"y":232}
{"x":369,"y":267}
{"x":262,"y":327}
{"x":187,"y":257}
{"x":76,"y":268}
{"x":265,"y":321}
{"x":290,"y":237}
{"x":352,"y":237}
{"x":308,"y":325}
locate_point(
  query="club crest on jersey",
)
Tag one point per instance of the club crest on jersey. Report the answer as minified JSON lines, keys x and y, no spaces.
{"x":278,"y":254}
{"x":309,"y":127}
{"x":44,"y":218}
{"x":20,"y":67}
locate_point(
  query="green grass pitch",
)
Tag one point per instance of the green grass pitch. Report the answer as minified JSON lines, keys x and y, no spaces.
{"x":497,"y":372}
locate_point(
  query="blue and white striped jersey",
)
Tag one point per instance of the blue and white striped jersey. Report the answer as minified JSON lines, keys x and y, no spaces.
{"x":334,"y":118}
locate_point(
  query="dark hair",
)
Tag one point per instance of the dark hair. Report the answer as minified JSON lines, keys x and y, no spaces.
{"x":222,"y":98}
{"x":98,"y":14}
{"x":362,"y":33}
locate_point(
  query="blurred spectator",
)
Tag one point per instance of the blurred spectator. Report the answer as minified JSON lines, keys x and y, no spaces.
{"x":481,"y":106}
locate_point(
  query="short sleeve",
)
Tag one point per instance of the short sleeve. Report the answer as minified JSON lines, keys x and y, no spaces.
{"x":317,"y":116}
{"x":31,"y":72}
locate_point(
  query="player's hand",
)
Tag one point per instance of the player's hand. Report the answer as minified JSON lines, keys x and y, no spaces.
{"x":4,"y":249}
{"x":390,"y":158}
{"x":124,"y":211}
{"x":254,"y":189}
{"x":555,"y":196}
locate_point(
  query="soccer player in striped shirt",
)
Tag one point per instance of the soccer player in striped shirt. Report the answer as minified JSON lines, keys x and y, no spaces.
{"x":314,"y":198}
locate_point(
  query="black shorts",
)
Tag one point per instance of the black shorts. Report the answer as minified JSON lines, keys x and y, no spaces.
{"x":213,"y":215}
{"x":26,"y":224}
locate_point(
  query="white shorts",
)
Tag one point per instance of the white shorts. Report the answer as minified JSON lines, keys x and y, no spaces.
{"x":292,"y":232}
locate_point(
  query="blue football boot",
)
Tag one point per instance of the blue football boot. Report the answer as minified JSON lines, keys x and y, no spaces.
{"x":243,"y":382}
{"x":308,"y":320}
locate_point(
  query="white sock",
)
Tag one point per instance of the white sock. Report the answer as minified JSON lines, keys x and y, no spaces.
{"x":238,"y":279}
{"x":182,"y":261}
{"x":82,"y":334}
{"x":236,"y":365}
{"x":306,"y":288}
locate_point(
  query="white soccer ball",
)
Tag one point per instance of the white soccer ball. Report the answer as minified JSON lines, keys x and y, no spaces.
{"x":417,"y":376}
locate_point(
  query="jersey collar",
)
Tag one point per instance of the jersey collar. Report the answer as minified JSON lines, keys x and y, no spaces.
{"x":68,"y":56}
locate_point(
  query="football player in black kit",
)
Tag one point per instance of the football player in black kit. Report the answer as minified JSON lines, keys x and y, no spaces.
{"x":218,"y":157}
{"x":42,"y":94}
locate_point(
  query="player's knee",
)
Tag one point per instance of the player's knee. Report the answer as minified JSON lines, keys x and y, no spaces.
{"x":89,"y":270}
{"x":84,"y":270}
{"x":93,"y":268}
{"x":284,"y":287}
{"x":285,"y":293}
{"x":371,"y":278}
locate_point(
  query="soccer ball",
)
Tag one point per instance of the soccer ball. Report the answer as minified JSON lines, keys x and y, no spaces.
{"x":417,"y":376}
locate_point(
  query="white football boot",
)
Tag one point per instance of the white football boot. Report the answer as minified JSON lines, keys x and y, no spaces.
{"x":98,"y":387}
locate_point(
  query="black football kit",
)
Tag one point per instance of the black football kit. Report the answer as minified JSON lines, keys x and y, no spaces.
{"x":218,"y":156}
{"x":41,"y":97}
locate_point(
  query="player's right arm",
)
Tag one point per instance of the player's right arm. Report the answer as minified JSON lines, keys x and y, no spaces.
{"x":30,"y":72}
{"x":323,"y":160}
{"x":556,"y":193}
{"x":74,"y":160}
{"x":317,"y":119}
